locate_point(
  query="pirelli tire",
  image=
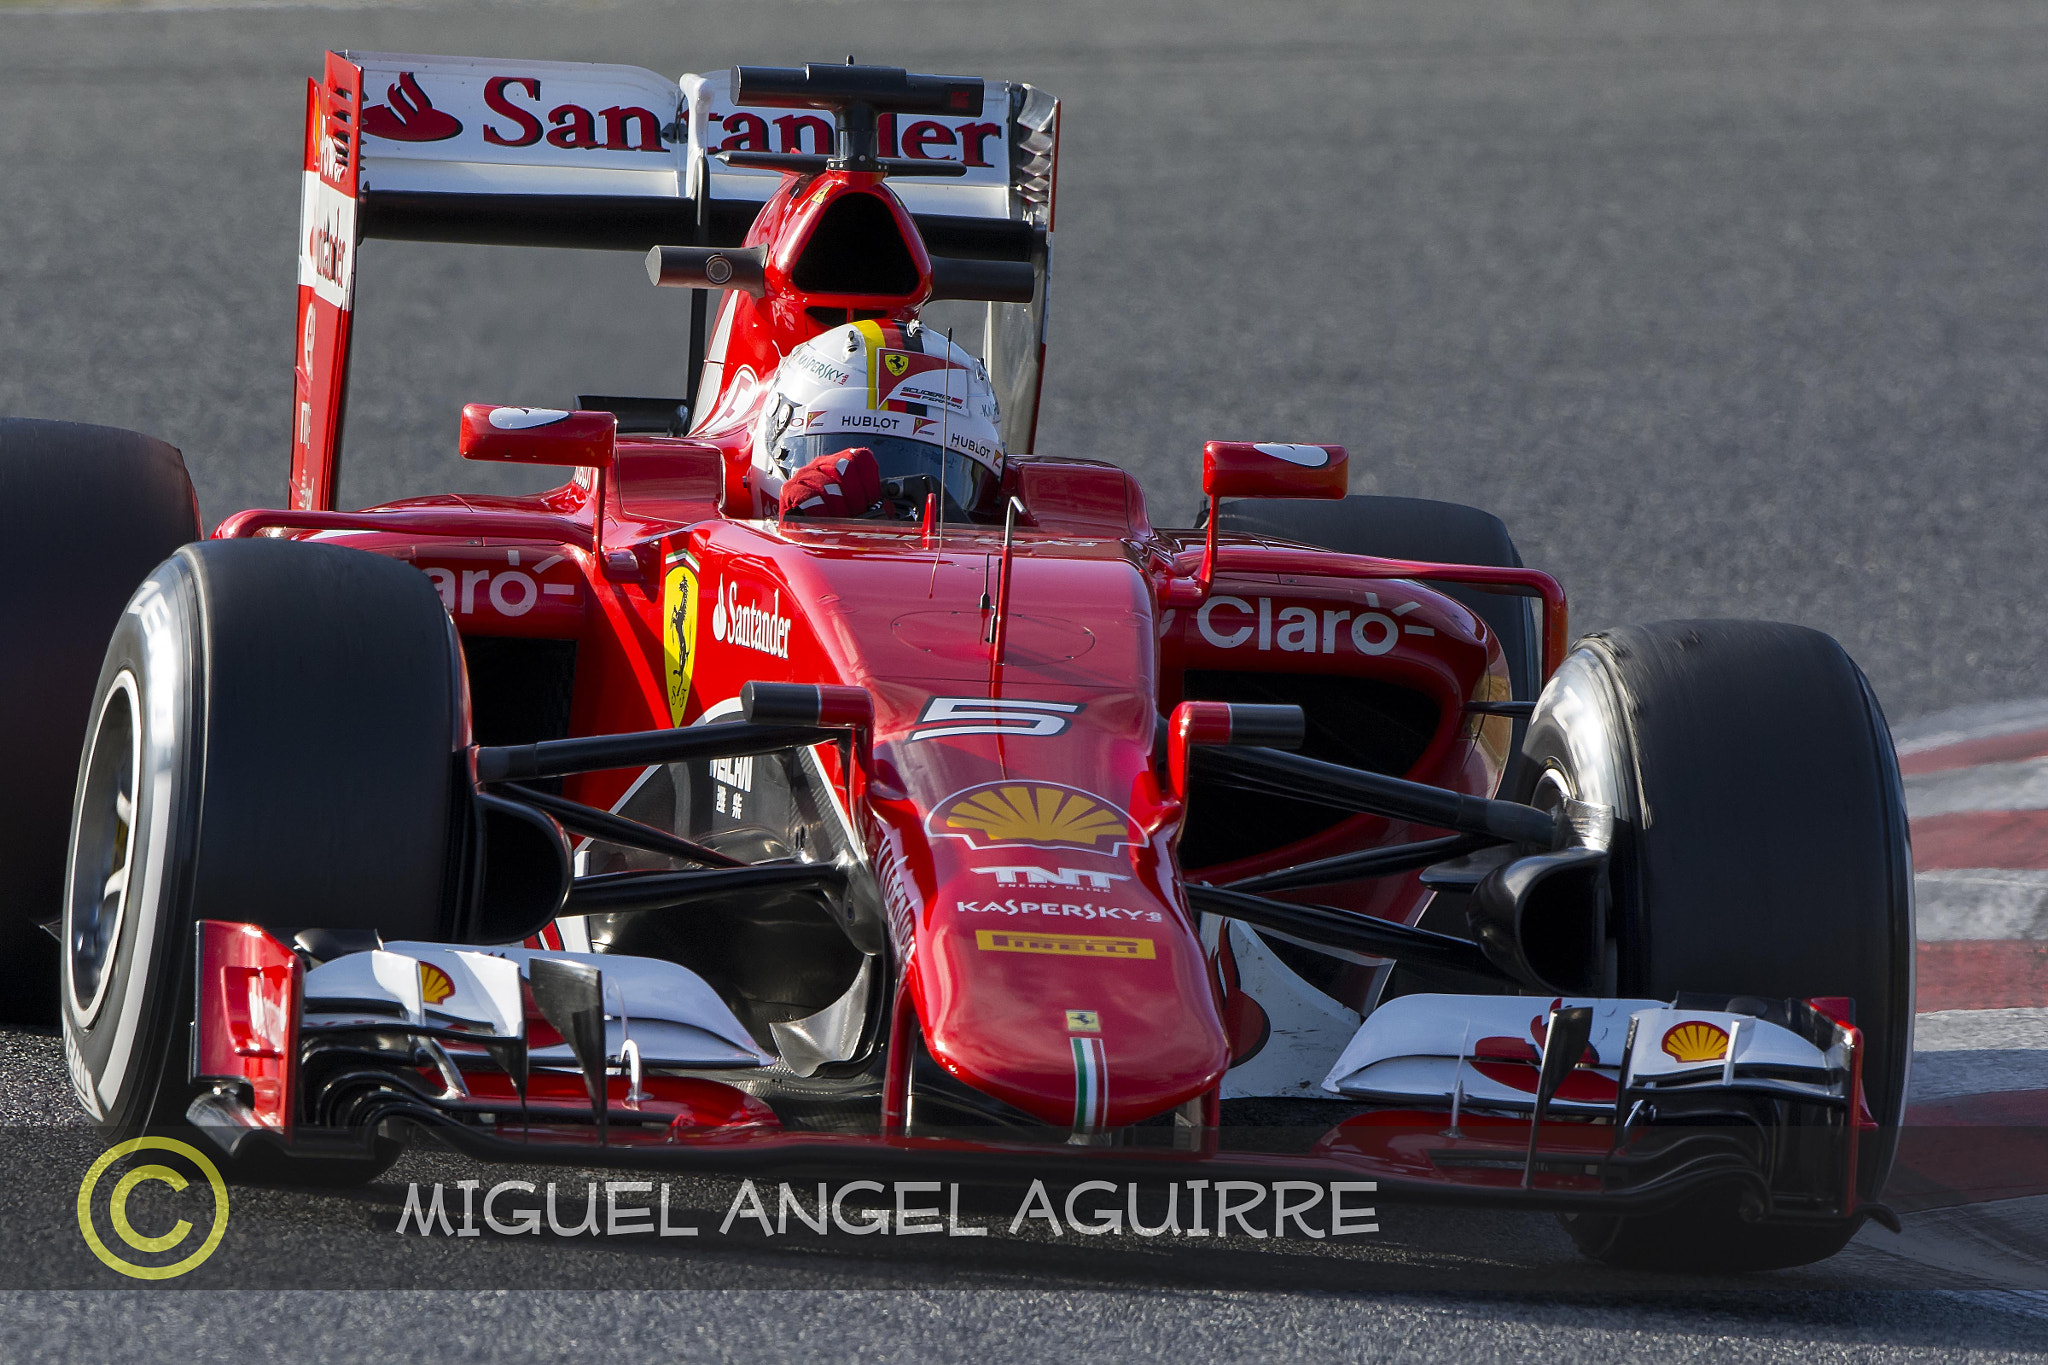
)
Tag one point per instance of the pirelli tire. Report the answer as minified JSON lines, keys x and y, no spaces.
{"x":1759,"y":848}
{"x":272,"y":742}
{"x":85,"y":513}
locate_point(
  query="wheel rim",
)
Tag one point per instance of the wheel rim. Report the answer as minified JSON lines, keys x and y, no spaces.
{"x":103,"y":849}
{"x":1553,"y":789}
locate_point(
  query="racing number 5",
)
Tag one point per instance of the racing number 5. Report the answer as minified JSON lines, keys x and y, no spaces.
{"x":945,"y":716}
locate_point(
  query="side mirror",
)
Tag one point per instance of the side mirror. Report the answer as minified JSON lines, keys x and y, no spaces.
{"x":548,"y":436}
{"x":1245,"y":469}
{"x":1265,"y":469}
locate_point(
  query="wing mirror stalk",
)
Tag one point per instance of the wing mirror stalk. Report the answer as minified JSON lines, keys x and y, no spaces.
{"x":554,"y":436}
{"x":1265,"y":469}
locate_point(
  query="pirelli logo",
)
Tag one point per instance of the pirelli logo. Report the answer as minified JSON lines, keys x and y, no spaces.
{"x":1063,"y":945}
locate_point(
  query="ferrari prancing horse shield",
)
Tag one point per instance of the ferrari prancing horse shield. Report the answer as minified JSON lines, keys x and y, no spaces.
{"x":678,"y":631}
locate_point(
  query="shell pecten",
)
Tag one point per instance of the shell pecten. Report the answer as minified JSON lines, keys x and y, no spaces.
{"x":1037,"y":814}
{"x":1696,"y":1041}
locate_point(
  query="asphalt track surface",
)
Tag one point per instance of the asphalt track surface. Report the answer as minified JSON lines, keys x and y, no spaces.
{"x":1727,"y":308}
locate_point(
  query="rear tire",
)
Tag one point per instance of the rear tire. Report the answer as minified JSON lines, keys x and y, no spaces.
{"x":85,"y":513}
{"x":273,"y":744}
{"x":1759,"y":848}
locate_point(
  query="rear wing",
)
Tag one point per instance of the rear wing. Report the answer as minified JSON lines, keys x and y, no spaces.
{"x":567,"y":154}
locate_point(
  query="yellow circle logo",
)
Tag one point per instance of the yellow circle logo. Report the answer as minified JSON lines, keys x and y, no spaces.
{"x":1696,"y":1041}
{"x":434,"y":984}
{"x":1040,"y":814}
{"x":117,"y":1208}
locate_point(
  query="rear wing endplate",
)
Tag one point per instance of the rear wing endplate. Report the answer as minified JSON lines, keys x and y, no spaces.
{"x":565,"y":154}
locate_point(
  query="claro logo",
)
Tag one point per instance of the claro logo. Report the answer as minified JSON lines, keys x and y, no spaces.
{"x":511,"y":591}
{"x":1232,"y":623}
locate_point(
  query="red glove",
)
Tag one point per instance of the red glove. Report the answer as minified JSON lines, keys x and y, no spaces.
{"x":843,"y":484}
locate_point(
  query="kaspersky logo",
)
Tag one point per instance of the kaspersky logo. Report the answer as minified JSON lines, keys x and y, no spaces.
{"x":763,"y":629}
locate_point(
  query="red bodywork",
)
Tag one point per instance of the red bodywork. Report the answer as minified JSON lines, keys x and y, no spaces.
{"x":1100,"y":611}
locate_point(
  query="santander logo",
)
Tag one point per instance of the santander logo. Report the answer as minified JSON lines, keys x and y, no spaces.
{"x":765,"y":631}
{"x":512,"y":116}
{"x":411,"y":116}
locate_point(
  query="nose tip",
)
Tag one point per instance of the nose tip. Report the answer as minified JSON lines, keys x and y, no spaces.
{"x":1080,"y":1003}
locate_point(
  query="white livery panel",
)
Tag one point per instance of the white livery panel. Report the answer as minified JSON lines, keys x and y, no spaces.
{"x":672,"y":1017}
{"x":1484,"y":1050}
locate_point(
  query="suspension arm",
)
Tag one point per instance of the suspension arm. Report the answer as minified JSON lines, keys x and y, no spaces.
{"x":1371,"y":862}
{"x":1328,"y":927}
{"x":1273,"y":773}
{"x":615,"y":892}
{"x":557,"y":757}
{"x":615,"y":829}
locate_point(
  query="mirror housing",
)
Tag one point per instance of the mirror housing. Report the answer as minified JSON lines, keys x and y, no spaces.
{"x":546,"y":436}
{"x":1267,"y":469}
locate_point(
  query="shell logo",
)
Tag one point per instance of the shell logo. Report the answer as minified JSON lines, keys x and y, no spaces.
{"x":1696,"y":1041}
{"x":434,"y":984}
{"x":1035,"y":813}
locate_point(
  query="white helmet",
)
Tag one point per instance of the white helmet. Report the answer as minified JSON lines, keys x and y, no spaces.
{"x":921,"y":403}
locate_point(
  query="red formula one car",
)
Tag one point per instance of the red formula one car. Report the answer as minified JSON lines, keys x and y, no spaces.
{"x":819,"y":779}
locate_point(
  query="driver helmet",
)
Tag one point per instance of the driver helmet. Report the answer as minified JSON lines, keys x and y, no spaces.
{"x":923,"y":405}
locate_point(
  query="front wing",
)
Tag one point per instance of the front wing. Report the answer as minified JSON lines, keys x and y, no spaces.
{"x":580,"y":1059}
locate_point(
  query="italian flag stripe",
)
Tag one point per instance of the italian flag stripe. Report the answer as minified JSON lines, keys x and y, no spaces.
{"x":1091,"y":1085}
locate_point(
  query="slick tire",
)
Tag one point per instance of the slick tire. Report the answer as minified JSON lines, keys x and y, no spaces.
{"x":1412,"y":528}
{"x":85,"y":513}
{"x":1759,"y":848}
{"x":272,"y":740}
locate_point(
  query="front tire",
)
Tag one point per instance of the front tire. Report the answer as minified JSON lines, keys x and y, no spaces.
{"x":272,"y":743}
{"x":85,"y":513}
{"x":1759,"y":848}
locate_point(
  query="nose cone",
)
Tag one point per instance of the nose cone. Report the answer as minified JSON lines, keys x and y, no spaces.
{"x":1070,"y":994}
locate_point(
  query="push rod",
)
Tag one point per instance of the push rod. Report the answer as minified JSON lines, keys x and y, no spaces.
{"x":615,"y":829}
{"x":1371,"y":862}
{"x":557,"y":757}
{"x":1347,"y":929}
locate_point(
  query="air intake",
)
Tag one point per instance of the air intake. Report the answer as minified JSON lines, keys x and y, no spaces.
{"x":856,"y":248}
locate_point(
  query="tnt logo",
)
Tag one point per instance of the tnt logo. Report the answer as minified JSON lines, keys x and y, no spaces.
{"x":1026,"y":875}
